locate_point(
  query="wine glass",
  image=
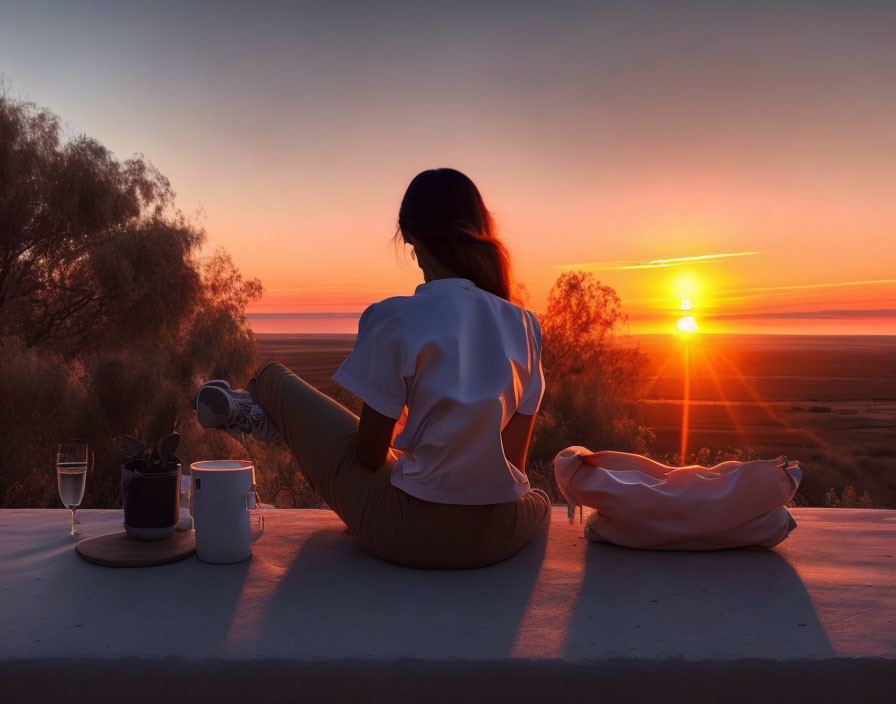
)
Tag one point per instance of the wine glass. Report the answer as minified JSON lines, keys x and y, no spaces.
{"x":71,"y":476}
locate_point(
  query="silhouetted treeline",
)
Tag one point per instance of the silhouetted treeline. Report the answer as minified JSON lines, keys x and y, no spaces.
{"x":110,"y":311}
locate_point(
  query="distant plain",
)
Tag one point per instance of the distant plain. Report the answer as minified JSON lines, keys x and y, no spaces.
{"x":828,"y":401}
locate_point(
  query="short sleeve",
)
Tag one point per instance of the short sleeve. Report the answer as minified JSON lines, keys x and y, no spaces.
{"x":379,"y":363}
{"x":534,"y":391}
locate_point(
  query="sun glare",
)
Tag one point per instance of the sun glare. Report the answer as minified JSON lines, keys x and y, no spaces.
{"x":686,"y":287}
{"x":686,"y":323}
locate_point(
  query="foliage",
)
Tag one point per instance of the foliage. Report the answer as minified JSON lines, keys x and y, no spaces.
{"x":593,"y":377}
{"x":848,"y":498}
{"x":109,"y":314}
{"x":707,"y":457}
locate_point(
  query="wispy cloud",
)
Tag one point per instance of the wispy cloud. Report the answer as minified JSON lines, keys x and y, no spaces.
{"x":297,"y":289}
{"x":656,"y":263}
{"x":734,"y":295}
{"x":330,"y":286}
{"x":316,"y":315}
{"x":796,"y":287}
{"x":831,"y":314}
{"x":826,"y":314}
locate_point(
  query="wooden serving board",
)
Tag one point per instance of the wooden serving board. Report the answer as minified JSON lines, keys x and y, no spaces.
{"x":120,"y":550}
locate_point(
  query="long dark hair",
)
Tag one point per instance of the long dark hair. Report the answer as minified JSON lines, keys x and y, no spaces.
{"x":443,"y":209}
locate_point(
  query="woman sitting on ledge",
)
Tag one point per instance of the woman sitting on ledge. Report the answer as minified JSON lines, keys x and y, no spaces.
{"x":457,"y":362}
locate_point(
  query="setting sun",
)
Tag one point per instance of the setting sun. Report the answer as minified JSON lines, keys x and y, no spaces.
{"x":687,"y":324}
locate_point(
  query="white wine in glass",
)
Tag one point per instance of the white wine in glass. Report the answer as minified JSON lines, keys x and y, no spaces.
{"x":71,"y":476}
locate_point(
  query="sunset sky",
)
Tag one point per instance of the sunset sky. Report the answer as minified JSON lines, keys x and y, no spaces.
{"x":738,"y":154}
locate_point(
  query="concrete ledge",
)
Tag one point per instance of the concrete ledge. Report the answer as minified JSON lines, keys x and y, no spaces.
{"x":417,"y":682}
{"x":312,"y":617}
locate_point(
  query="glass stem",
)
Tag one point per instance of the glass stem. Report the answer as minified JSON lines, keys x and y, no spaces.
{"x":74,"y":532}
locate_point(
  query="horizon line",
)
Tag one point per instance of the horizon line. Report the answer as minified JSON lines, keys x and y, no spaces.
{"x":640,"y":334}
{"x":811,"y":314}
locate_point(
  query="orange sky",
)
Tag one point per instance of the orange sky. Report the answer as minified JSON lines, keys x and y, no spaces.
{"x":604,"y":136}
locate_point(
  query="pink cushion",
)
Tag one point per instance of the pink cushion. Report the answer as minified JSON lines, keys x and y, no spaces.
{"x":643,"y":504}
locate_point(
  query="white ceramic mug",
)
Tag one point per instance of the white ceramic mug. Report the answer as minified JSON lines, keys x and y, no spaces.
{"x":223,"y":493}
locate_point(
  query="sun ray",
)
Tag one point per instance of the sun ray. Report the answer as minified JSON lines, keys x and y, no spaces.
{"x":729,"y":407}
{"x":764,"y":405}
{"x":769,"y":410}
{"x":686,"y":405}
{"x":659,"y":375}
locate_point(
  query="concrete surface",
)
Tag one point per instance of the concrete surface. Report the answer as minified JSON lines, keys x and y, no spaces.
{"x":312,"y":617}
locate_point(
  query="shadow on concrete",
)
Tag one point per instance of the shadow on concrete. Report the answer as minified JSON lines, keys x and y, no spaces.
{"x":109,"y":610}
{"x":334,"y":599}
{"x":732,"y":603}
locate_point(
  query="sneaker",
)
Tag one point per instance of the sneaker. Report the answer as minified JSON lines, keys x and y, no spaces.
{"x":220,"y":406}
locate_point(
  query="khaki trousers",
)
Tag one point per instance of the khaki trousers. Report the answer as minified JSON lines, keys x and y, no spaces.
{"x":390,"y":523}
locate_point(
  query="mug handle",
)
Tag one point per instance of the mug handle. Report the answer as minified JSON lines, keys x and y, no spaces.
{"x":252,"y":504}
{"x":194,"y":487}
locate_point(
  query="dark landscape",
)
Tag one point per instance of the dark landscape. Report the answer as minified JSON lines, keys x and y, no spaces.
{"x":828,"y":401}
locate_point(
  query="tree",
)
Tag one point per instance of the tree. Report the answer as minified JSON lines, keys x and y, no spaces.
{"x":85,"y":241}
{"x":109,"y":312}
{"x":580,"y":323}
{"x":593,"y":375}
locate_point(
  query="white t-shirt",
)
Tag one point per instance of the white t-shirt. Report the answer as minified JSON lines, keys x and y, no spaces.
{"x":460,"y":362}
